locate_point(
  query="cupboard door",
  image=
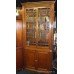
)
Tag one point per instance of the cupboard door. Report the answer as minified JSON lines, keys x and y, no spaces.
{"x":43,"y":26}
{"x":30,"y":27}
{"x":44,"y":61}
{"x":19,"y":58}
{"x":29,"y":56}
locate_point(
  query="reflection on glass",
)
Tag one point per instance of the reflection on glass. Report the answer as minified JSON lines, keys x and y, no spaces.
{"x":43,"y":26}
{"x":42,"y":16}
{"x":30,"y":26}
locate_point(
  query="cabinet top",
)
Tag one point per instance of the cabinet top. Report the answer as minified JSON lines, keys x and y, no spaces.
{"x":37,"y":4}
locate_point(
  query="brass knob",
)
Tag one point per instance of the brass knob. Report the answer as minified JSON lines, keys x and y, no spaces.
{"x":50,"y":50}
{"x":36,"y":60}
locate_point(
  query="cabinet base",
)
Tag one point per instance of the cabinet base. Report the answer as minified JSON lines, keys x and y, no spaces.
{"x":39,"y":71}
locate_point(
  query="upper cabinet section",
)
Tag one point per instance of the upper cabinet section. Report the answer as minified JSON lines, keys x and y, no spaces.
{"x":37,"y":19}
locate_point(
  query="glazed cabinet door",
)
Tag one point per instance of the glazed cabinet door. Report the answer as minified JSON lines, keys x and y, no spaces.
{"x":30,"y":27}
{"x":43,"y":27}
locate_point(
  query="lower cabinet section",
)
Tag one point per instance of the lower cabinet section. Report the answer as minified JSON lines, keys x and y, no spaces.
{"x":40,"y":61}
{"x":19,"y":58}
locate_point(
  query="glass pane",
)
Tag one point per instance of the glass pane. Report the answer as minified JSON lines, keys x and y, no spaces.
{"x":43,"y":26}
{"x":30,"y":26}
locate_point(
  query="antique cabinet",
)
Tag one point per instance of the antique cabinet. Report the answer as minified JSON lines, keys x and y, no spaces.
{"x":38,"y":18}
{"x":19,"y":46}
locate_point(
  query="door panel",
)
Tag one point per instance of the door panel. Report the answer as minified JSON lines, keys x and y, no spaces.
{"x":19,"y":48}
{"x":44,"y":61}
{"x":19,"y":58}
{"x":30,"y":59}
{"x":43,"y":26}
{"x":18,"y":33}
